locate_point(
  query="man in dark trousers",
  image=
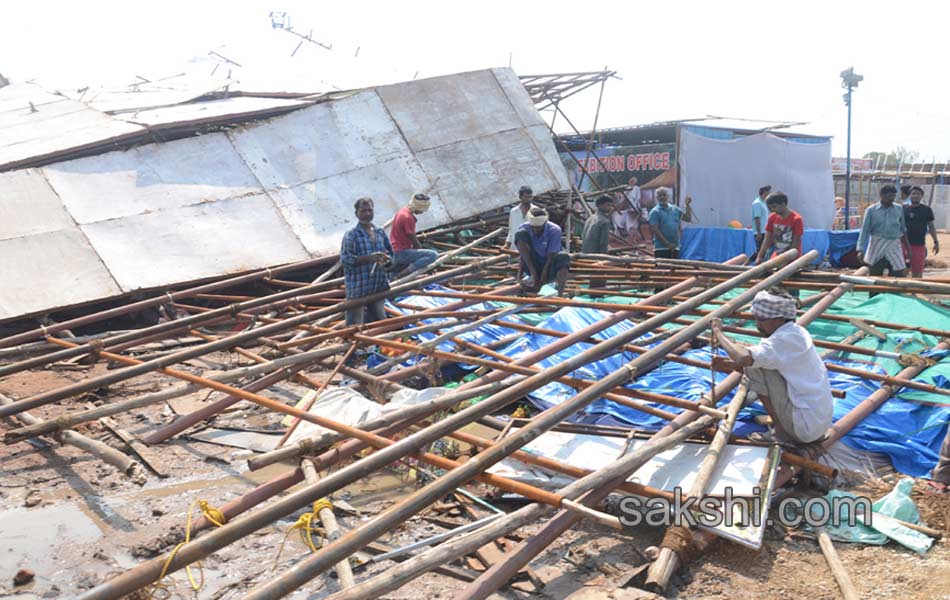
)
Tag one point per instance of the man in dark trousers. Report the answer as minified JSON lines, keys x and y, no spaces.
{"x":665,"y":224}
{"x":919,"y":220}
{"x":597,"y":232}
{"x":784,"y":229}
{"x":597,"y":227}
{"x":883,"y":235}
{"x":539,"y":246}
{"x":365,"y":252}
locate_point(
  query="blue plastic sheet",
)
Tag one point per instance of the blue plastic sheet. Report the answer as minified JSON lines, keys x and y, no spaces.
{"x":840,"y":243}
{"x":482,"y":336}
{"x":910,"y":433}
{"x":719,"y":244}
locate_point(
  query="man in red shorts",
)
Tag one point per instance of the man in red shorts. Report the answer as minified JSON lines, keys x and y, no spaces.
{"x":919,"y":219}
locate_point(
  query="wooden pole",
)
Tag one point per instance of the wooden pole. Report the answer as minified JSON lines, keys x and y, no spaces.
{"x":313,"y":565}
{"x":325,"y":513}
{"x":837,"y":567}
{"x":106,"y":453}
{"x":668,"y":561}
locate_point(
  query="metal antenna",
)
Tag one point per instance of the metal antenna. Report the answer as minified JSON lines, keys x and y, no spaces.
{"x":281,"y":20}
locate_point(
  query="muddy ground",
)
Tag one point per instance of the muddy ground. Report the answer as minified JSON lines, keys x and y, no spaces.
{"x":75,"y":521}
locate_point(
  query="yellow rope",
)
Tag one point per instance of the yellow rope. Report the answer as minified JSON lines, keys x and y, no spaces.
{"x":304,"y":526}
{"x":214,"y":516}
{"x":321,"y":504}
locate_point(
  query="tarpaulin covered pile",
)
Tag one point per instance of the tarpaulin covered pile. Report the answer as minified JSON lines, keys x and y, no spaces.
{"x":908,"y":428}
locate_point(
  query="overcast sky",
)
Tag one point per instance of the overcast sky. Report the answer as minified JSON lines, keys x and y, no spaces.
{"x":677,"y":60}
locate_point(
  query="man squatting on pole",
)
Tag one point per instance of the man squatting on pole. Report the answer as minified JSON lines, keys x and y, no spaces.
{"x":783,"y":371}
{"x":408,"y":253}
{"x":539,"y":247}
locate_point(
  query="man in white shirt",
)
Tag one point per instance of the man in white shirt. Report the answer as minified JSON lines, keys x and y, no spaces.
{"x":784,"y":370}
{"x":519,"y":214}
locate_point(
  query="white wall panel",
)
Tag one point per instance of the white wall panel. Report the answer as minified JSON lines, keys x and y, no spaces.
{"x":28,"y":205}
{"x":194,"y":242}
{"x":723,"y":176}
{"x":151,"y":178}
{"x":56,"y":268}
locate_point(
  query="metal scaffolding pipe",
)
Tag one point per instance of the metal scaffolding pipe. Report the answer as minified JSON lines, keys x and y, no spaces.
{"x":149,"y":572}
{"x":118,"y":311}
{"x":225,"y":343}
{"x":73,"y":419}
{"x":356,"y":539}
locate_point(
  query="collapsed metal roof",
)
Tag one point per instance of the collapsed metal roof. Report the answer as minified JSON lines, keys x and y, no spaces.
{"x":262,"y":194}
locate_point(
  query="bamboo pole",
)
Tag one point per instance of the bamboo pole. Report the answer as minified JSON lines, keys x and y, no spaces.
{"x":668,"y":560}
{"x":41,"y":332}
{"x":501,"y":572}
{"x":225,"y":343}
{"x":148,"y":572}
{"x":277,"y":300}
{"x":315,"y":442}
{"x":105,"y":453}
{"x":848,"y":592}
{"x":73,"y":419}
{"x":325,"y":513}
{"x":317,"y":563}
{"x":621,"y":469}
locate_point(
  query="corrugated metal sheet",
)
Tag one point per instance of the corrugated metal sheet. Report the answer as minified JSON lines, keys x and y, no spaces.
{"x":38,"y":124}
{"x":273,"y":192}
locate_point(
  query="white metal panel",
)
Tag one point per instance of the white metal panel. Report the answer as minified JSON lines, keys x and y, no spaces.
{"x":56,"y":126}
{"x":544,"y":143}
{"x":740,"y":467}
{"x":519,"y":98}
{"x":445,"y":110}
{"x":278,"y":190}
{"x":151,"y":178}
{"x":321,"y":212}
{"x":485,"y":173}
{"x":57,"y":268}
{"x":193,"y":242}
{"x":320,"y":141}
{"x":28,"y":205}
{"x":212,"y":110}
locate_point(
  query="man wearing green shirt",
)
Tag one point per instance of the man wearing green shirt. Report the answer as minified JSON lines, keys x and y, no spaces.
{"x":665,"y":224}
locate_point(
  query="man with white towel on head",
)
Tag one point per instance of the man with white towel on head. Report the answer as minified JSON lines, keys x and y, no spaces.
{"x":784,"y":370}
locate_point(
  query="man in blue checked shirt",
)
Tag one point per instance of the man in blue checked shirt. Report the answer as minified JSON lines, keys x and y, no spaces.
{"x":365,"y":252}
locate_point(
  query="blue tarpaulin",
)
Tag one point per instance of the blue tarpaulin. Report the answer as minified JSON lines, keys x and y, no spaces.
{"x":909,"y":432}
{"x":719,"y":244}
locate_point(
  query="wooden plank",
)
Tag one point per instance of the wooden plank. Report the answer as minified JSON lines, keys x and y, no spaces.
{"x":148,"y":456}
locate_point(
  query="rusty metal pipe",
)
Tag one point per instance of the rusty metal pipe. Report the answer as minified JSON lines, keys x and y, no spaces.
{"x":223,"y":344}
{"x":118,"y":311}
{"x":311,"y":566}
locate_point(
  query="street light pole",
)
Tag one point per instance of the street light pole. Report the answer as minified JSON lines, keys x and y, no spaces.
{"x":847,"y":173}
{"x":849,"y":81}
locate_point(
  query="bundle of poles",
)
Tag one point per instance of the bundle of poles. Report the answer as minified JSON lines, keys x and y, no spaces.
{"x":284,"y":322}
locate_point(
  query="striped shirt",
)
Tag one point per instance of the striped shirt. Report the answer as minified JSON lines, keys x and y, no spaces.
{"x":882,"y":222}
{"x":363,"y":280}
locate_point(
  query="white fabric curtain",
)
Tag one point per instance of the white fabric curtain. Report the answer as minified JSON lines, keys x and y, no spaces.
{"x":723,"y":176}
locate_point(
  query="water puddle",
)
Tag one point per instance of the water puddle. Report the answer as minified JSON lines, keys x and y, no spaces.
{"x":33,"y":537}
